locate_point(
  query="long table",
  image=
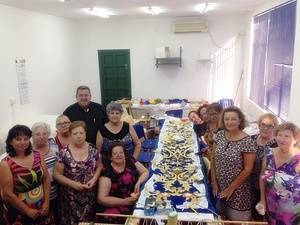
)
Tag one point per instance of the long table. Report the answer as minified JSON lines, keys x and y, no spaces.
{"x":137,"y":110}
{"x":177,"y":174}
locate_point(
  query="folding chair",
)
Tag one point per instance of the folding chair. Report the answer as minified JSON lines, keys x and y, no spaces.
{"x":148,"y":145}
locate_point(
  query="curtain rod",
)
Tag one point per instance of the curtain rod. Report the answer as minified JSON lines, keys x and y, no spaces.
{"x":275,"y":7}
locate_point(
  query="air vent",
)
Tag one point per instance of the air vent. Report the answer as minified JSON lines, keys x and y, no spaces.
{"x":190,"y":26}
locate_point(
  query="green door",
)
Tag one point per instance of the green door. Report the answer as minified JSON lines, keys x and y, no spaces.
{"x":114,"y":67}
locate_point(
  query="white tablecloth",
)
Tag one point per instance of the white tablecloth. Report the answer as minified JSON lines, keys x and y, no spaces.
{"x":177,"y":174}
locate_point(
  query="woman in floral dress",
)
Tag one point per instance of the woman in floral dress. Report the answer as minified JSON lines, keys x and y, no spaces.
{"x":280,"y":180}
{"x":77,"y":170}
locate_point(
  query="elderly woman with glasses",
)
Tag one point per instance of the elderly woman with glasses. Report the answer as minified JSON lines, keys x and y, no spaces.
{"x":263,"y":140}
{"x":48,"y":150}
{"x":116,"y":130}
{"x":62,"y":137}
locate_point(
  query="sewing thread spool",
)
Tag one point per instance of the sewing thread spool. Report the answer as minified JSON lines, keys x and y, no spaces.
{"x":172,"y":218}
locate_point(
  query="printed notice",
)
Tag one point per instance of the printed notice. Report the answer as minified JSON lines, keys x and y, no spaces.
{"x":23,"y":85}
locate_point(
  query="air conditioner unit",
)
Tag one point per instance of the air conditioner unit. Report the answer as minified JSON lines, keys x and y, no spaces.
{"x":186,"y":26}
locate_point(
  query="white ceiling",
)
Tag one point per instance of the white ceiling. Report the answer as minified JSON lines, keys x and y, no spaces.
{"x":131,"y":8}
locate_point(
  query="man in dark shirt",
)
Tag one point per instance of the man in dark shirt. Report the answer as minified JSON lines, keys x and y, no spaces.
{"x":92,"y":113}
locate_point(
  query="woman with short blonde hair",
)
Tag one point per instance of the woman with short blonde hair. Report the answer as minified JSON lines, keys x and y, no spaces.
{"x":280,"y":177}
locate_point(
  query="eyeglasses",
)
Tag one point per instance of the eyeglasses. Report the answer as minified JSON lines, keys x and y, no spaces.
{"x":62,"y":124}
{"x":266,"y":126}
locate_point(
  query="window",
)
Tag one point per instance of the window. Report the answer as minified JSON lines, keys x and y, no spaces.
{"x":224,"y":64}
{"x":272,"y":58}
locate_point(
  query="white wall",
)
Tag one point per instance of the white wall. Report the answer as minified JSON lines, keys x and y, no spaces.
{"x":142,"y":36}
{"x":47,"y":44}
{"x":60,"y":54}
{"x":248,"y":106}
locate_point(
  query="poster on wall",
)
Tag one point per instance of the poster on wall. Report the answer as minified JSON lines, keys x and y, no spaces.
{"x":23,"y":85}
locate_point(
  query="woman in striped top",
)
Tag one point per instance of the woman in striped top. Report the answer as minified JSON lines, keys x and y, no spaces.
{"x":48,"y":150}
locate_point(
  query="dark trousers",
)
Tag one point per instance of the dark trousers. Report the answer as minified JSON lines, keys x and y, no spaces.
{"x":54,"y":209}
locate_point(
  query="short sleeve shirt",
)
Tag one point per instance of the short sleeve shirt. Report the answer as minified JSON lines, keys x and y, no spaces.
{"x":229,"y":163}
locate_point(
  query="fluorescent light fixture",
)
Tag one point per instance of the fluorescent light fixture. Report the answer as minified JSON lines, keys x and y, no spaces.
{"x":205,"y":7}
{"x":98,"y":12}
{"x":153,"y":10}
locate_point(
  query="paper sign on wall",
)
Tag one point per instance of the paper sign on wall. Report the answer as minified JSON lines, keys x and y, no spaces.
{"x":23,"y":85}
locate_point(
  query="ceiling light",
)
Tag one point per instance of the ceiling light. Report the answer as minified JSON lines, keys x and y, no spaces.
{"x":99,"y":12}
{"x":205,"y":7}
{"x":153,"y":10}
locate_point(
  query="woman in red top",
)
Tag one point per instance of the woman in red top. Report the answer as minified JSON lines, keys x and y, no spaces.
{"x":119,"y":184}
{"x":62,"y":137}
{"x":25,"y":182}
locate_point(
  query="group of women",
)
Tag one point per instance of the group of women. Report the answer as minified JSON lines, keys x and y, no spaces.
{"x":66,"y":180}
{"x":252,"y":177}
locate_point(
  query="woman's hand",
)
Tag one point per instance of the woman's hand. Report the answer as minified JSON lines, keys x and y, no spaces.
{"x":261,"y":207}
{"x":130,"y":200}
{"x":226,"y":193}
{"x":33,"y":213}
{"x":45,"y":209}
{"x":91,"y":183}
{"x":79,"y":186}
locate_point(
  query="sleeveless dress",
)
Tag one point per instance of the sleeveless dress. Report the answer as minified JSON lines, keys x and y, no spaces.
{"x":109,"y":137}
{"x":28,"y":187}
{"x":282,"y":191}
